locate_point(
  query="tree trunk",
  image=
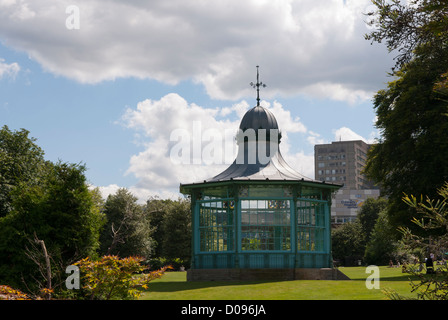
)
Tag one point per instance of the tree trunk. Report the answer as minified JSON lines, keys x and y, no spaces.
{"x":48,"y":265}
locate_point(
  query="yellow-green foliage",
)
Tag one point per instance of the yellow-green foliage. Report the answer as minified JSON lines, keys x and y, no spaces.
{"x":112,"y":277}
{"x":8,"y":293}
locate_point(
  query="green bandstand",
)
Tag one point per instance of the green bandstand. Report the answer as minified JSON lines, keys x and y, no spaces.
{"x":259,"y":218}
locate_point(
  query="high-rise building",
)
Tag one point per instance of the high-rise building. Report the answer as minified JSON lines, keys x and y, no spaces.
{"x":342,"y":162}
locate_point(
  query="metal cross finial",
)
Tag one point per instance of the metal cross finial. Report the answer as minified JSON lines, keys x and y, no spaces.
{"x":258,"y":85}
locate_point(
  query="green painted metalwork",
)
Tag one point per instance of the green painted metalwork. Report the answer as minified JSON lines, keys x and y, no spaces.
{"x":261,"y":226}
{"x":216,"y":226}
{"x":260,"y":214}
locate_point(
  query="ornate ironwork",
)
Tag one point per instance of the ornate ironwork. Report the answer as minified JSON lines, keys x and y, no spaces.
{"x":257,"y":86}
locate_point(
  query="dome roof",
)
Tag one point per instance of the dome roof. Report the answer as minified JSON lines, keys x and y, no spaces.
{"x":257,"y":164}
{"x":258,"y":118}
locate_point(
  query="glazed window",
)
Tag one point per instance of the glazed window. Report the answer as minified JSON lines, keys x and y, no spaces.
{"x":216,"y":231}
{"x":310,"y":225}
{"x":265,"y":225}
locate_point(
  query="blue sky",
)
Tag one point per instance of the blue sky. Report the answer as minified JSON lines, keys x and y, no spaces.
{"x":109,"y":93}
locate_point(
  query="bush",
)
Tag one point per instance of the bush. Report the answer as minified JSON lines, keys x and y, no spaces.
{"x":112,"y":278}
{"x":8,"y":293}
{"x":158,"y":263}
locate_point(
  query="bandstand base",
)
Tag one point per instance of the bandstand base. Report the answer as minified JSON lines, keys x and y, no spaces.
{"x":265,"y":274}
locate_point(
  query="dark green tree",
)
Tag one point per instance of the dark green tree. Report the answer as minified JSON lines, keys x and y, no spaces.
{"x":432,"y":215}
{"x":368,"y":215}
{"x":348,"y":243}
{"x":127,"y":231}
{"x":411,"y":155}
{"x":20,"y":161}
{"x":381,"y":246}
{"x":412,"y":152}
{"x":176,"y":228}
{"x":171,"y":229}
{"x":156,"y":209}
{"x":413,"y":28}
{"x":59,"y":210}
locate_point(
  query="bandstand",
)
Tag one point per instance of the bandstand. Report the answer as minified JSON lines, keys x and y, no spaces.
{"x":259,"y":218}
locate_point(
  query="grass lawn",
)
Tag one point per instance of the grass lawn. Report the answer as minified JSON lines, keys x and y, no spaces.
{"x":173,"y":286}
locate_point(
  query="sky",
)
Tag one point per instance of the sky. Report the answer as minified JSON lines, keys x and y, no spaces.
{"x":129,"y":87}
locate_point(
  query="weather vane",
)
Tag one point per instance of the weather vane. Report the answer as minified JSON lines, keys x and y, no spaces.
{"x":258,"y":85}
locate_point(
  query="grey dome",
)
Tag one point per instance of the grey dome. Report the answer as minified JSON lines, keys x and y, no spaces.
{"x":258,"y":118}
{"x":275,"y":169}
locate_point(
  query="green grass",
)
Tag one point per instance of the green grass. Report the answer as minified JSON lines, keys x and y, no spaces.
{"x":173,"y":286}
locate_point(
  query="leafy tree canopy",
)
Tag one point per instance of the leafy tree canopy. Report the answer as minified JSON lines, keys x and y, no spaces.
{"x":20,"y":161}
{"x":412,"y":153}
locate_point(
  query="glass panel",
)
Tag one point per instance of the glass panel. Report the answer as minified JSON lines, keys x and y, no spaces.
{"x":310,"y":193}
{"x":214,"y":193}
{"x":310,"y":225}
{"x":265,"y":225}
{"x":216,"y":226}
{"x":266,"y":191}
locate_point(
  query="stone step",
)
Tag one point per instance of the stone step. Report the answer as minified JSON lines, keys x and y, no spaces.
{"x":265,"y":274}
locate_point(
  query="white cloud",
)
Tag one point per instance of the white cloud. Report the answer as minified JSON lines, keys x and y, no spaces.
{"x":8,"y":70}
{"x":154,"y":121}
{"x":107,"y":190}
{"x":284,"y":119}
{"x":338,"y":92}
{"x":314,"y":138}
{"x":303,"y":46}
{"x":158,"y":122}
{"x":301,"y":162}
{"x":347,"y":134}
{"x":142,"y":194}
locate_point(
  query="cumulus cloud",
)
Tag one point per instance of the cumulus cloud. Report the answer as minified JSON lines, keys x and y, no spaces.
{"x":314,"y":138}
{"x":347,"y":134}
{"x":185,"y":143}
{"x":301,"y":162}
{"x":8,"y":70}
{"x":338,"y":92}
{"x":168,"y":127}
{"x":303,"y":46}
{"x":107,"y":190}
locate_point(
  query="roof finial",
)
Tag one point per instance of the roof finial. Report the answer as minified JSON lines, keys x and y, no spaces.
{"x":258,"y":85}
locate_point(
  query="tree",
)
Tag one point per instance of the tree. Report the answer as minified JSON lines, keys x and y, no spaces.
{"x":369,"y":213}
{"x":176,"y":228}
{"x":351,"y":240}
{"x":20,"y":162}
{"x":381,"y":247}
{"x":156,"y":209}
{"x":432,"y":216}
{"x":127,"y":231}
{"x":348,"y":242}
{"x":414,"y":28}
{"x":60,"y":210}
{"x":433,"y":219}
{"x":171,"y":229}
{"x":412,"y":153}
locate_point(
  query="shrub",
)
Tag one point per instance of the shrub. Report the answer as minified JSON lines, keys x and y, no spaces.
{"x":8,"y":293}
{"x":111,"y":278}
{"x":175,"y":263}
